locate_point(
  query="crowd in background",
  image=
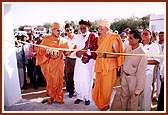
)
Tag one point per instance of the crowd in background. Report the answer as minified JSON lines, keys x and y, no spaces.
{"x":151,"y":42}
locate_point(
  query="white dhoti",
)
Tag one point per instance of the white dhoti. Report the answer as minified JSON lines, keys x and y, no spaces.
{"x":83,"y":79}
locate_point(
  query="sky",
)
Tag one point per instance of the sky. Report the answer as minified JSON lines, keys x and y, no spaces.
{"x":38,"y":13}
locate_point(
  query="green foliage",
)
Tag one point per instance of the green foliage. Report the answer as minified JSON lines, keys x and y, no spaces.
{"x":132,"y":23}
{"x":118,"y":24}
{"x":94,"y":26}
{"x":21,"y":28}
{"x":73,"y":23}
{"x":39,"y":27}
{"x":47,"y":25}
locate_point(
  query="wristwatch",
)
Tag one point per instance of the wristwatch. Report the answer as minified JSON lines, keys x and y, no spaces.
{"x":104,"y":55}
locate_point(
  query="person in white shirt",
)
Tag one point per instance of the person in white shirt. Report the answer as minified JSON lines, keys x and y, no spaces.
{"x":20,"y":60}
{"x":126,"y":42}
{"x":70,"y":60}
{"x":150,"y":48}
{"x":124,"y":38}
{"x":84,"y":67}
{"x":161,"y":48}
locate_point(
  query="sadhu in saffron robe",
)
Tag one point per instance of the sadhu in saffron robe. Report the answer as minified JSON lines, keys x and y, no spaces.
{"x":105,"y":69}
{"x":52,"y":68}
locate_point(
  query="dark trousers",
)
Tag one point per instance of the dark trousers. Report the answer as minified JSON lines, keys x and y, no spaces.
{"x":69,"y":73}
{"x":30,"y":69}
{"x":38,"y":78}
{"x":160,"y":106}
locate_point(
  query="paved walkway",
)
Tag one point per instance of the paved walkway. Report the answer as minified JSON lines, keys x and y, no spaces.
{"x":35,"y":105}
{"x":32,"y":102}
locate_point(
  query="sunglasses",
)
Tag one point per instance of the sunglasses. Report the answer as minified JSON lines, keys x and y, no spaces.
{"x":68,"y":30}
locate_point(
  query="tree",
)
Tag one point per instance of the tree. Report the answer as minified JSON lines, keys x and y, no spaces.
{"x":132,"y":23}
{"x":21,"y":28}
{"x":47,"y":25}
{"x":94,"y":26}
{"x":145,"y":21}
{"x":74,"y":24}
{"x":15,"y":29}
{"x":39,"y":28}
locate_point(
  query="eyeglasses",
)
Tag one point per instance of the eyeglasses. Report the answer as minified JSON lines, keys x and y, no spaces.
{"x":67,"y":30}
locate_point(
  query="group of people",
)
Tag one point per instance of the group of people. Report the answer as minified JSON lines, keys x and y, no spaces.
{"x":139,"y":73}
{"x":85,"y":61}
{"x":26,"y":61}
{"x":90,"y":63}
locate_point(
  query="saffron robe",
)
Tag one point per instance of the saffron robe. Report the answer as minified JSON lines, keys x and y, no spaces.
{"x":52,"y":68}
{"x":105,"y":69}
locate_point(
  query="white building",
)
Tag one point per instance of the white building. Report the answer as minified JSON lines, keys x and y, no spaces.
{"x":156,"y":23}
{"x":28,"y":28}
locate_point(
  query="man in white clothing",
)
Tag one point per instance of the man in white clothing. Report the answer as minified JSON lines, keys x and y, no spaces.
{"x":70,"y":60}
{"x":150,"y":48}
{"x":84,"y":67}
{"x":161,"y":48}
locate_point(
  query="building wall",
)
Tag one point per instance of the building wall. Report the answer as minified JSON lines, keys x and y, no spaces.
{"x":11,"y":92}
{"x":156,"y":23}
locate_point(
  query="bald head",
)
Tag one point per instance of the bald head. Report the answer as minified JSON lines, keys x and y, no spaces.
{"x":57,"y":25}
{"x":56,"y":29}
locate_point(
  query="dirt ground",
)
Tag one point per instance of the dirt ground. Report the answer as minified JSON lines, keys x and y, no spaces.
{"x":37,"y":95}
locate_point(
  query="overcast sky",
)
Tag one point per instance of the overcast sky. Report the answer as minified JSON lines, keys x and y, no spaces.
{"x":38,"y":13}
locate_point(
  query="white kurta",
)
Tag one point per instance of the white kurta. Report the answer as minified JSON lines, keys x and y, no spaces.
{"x":145,"y":96}
{"x":26,"y":50}
{"x":83,"y":73}
{"x":20,"y":63}
{"x":161,"y":48}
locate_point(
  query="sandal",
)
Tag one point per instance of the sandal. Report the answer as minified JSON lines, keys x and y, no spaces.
{"x":44,"y":101}
{"x":50,"y":100}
